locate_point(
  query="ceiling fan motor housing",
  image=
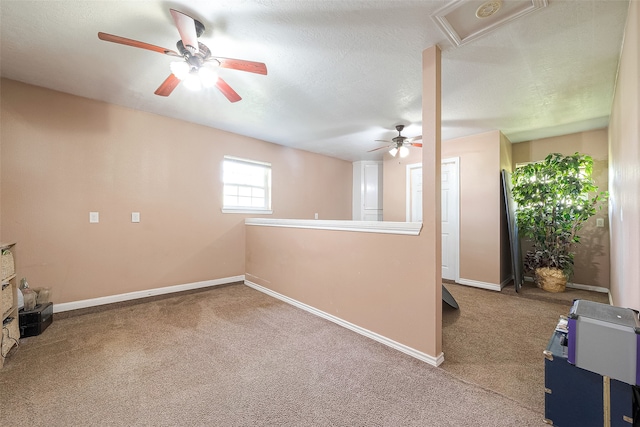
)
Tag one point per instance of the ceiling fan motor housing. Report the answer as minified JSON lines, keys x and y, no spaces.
{"x":399,"y":140}
{"x":195,"y":60}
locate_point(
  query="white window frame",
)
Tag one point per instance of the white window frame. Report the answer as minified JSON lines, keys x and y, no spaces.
{"x":266,"y":187}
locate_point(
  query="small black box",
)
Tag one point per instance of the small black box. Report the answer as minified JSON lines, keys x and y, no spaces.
{"x":34,"y":322}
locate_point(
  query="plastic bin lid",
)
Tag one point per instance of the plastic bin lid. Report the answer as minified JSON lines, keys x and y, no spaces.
{"x":606,"y":313}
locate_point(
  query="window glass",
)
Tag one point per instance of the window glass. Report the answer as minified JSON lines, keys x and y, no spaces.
{"x":247,"y":185}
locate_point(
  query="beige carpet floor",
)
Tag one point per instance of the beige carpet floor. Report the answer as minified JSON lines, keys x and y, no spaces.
{"x":232,"y":356}
{"x":496,"y":339}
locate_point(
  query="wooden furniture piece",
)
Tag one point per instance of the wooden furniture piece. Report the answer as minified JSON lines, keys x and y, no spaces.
{"x":8,"y":302}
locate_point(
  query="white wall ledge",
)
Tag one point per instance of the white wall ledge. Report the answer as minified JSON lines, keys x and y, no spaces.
{"x":384,"y":227}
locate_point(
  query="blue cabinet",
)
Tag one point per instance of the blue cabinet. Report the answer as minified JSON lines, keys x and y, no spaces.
{"x":575,"y":397}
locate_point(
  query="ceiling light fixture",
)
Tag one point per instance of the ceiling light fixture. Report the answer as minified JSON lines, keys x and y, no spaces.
{"x":194,"y":78}
{"x":402,"y":150}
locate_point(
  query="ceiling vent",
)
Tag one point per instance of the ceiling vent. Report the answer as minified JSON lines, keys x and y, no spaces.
{"x":465,"y":20}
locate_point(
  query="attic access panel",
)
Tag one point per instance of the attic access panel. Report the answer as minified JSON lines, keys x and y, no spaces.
{"x":465,"y":20}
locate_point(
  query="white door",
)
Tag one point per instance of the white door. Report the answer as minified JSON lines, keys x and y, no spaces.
{"x":372,"y":196}
{"x":367,"y":191}
{"x":450,"y":210}
{"x":415,"y":199}
{"x":449,"y":203}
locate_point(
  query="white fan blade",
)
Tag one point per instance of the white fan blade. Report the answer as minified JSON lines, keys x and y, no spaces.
{"x":187,"y":29}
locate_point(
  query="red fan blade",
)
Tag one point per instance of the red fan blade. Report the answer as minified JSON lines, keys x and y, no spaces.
{"x":187,"y":29}
{"x":135,"y":43}
{"x":380,"y":148}
{"x":168,"y":86}
{"x":415,"y":144}
{"x":226,"y":90}
{"x":242,"y":65}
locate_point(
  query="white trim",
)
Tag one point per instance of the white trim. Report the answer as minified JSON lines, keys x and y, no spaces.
{"x":481,"y":285}
{"x":449,"y":29}
{"x":588,"y":287}
{"x":385,"y":227}
{"x":93,"y":302}
{"x":435,"y":361}
{"x":247,"y":211}
{"x":242,"y":160}
{"x":579,"y":286}
{"x":505,"y":282}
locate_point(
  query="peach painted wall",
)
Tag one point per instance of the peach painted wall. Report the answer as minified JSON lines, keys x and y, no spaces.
{"x":394,"y":186}
{"x":592,"y":255}
{"x":353,"y":276}
{"x":480,"y":206}
{"x":385,"y":283}
{"x":64,"y":156}
{"x":624,"y":170}
{"x":484,"y":245}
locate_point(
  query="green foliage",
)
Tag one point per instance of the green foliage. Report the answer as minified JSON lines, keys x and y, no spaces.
{"x":554,"y":198}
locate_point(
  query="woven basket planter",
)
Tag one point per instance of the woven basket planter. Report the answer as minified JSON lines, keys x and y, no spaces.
{"x":8,"y":267}
{"x":551,"y":279}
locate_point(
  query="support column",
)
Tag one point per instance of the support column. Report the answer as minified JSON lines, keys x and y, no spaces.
{"x":431,"y":193}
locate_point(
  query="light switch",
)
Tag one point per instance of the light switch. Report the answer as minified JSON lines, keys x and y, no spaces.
{"x":599,"y":222}
{"x":135,"y":216}
{"x":94,"y":217}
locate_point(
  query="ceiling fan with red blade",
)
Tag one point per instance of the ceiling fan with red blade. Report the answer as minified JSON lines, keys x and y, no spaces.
{"x":399,"y":143}
{"x":197,"y":67}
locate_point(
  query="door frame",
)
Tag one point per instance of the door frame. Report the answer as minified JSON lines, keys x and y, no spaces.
{"x":456,"y":224}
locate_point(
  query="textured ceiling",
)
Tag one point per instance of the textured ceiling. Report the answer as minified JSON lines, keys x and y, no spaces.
{"x":342,"y":74}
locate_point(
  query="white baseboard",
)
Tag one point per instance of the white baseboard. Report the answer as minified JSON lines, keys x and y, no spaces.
{"x":577,"y":286}
{"x":587,"y":287}
{"x":483,"y":285}
{"x":93,"y":302}
{"x":435,"y":361}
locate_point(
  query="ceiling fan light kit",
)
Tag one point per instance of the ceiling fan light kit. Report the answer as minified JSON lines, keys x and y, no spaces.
{"x":197,"y":68}
{"x":399,"y":144}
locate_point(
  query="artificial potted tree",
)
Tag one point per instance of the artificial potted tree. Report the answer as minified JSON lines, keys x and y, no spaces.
{"x":554,"y":198}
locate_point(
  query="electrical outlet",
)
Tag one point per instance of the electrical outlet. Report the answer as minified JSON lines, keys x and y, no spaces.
{"x":599,"y":222}
{"x":94,"y":217}
{"x":135,"y":216}
{"x":316,"y":215}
